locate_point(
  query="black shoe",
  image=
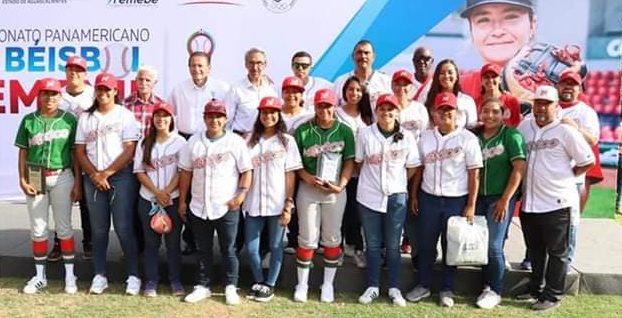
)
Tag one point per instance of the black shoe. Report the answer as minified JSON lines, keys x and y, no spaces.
{"x":87,"y":250}
{"x":264,"y":293}
{"x":55,"y":255}
{"x":189,"y":250}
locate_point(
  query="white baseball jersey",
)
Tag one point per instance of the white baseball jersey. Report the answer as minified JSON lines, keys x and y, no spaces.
{"x":446,"y":161}
{"x":420,"y":90}
{"x":378,"y":83}
{"x":415,"y":118}
{"x":355,"y":123}
{"x":188,"y":102}
{"x":587,"y":119}
{"x":271,"y":161}
{"x":216,"y":166}
{"x":549,"y":182}
{"x":467,"y":111}
{"x":292,"y":122}
{"x":242,"y":101}
{"x":163,"y":168}
{"x":384,"y":163}
{"x":78,"y":103}
{"x":104,"y":134}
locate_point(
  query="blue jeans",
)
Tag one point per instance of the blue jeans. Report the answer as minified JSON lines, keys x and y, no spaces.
{"x":153,"y":241}
{"x":253,"y":228}
{"x":434,"y":211}
{"x":119,"y":202}
{"x":226,"y":228}
{"x":384,"y":230}
{"x":494,"y":272}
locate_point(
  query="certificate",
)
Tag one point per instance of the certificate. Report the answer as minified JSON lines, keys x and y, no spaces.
{"x":36,"y":178}
{"x":329,"y":167}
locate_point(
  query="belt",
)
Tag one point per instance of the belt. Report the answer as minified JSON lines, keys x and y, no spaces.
{"x":186,"y":136}
{"x":50,"y":173}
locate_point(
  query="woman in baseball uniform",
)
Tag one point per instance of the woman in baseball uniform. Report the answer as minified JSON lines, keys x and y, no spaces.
{"x":446,"y":79}
{"x":491,"y":88}
{"x":356,"y":113}
{"x":447,"y":187}
{"x":218,"y":165}
{"x":294,"y":112}
{"x":327,"y":150}
{"x":387,"y":155}
{"x":45,"y":140}
{"x":155,"y":166}
{"x":269,"y":202}
{"x":503,"y":152}
{"x":105,"y":142}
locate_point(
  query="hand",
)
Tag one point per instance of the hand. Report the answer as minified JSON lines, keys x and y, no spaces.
{"x":500,"y":210}
{"x":414,"y":205}
{"x":76,"y":192}
{"x":182,"y":210}
{"x":100,"y":180}
{"x":469,"y":212}
{"x":236,"y":201}
{"x":286,"y":217}
{"x":314,"y":181}
{"x":163,"y":198}
{"x":570,"y":122}
{"x":328,"y":187}
{"x":27,"y":188}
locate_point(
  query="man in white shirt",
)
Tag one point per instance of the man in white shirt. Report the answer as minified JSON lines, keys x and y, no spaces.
{"x":422,"y":63}
{"x":302,"y":62}
{"x":557,"y":153}
{"x":376,"y":82}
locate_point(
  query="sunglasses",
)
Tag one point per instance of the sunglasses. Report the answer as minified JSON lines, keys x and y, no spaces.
{"x":304,"y":66}
{"x":426,"y":59}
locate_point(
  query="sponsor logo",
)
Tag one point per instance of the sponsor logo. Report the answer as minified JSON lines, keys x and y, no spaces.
{"x":278,"y":6}
{"x":30,"y":2}
{"x":125,"y":3}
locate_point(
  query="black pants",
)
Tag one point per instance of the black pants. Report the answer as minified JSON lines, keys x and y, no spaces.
{"x":547,"y":241}
{"x":186,"y":234}
{"x":351,"y":224}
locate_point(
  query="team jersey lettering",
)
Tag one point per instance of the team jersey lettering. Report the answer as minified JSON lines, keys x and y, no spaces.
{"x":211,"y":161}
{"x":542,"y":144}
{"x":115,"y":128}
{"x":492,"y":151}
{"x":162,"y":162}
{"x":412,"y":125}
{"x":48,"y":136}
{"x":316,"y":150}
{"x":443,"y":154}
{"x":266,"y":157}
{"x":391,"y":155}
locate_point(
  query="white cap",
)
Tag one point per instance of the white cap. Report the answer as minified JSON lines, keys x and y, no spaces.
{"x":546,"y":92}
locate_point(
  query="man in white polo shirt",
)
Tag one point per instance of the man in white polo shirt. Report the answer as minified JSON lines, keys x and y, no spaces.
{"x":556,"y":154}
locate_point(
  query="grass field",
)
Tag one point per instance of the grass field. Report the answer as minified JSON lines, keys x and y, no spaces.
{"x":53,"y":303}
{"x":601,"y":203}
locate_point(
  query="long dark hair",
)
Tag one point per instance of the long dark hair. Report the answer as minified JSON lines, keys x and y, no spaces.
{"x":258,"y":130}
{"x":435,"y":87}
{"x":150,"y":140}
{"x":93,"y":108}
{"x":364,"y":105}
{"x":479,"y":129}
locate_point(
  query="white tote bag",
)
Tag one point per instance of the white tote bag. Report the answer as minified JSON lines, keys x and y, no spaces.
{"x":467,"y":242}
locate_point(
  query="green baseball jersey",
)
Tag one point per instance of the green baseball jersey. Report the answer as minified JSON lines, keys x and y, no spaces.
{"x":313,"y":141}
{"x":498,"y":153}
{"x":48,"y":140}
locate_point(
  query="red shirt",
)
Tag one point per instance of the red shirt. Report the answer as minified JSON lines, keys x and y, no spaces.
{"x":512,"y":118}
{"x":143,"y":110}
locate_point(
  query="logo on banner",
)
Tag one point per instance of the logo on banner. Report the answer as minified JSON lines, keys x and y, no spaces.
{"x":200,"y":41}
{"x":121,"y":3}
{"x":218,"y":2}
{"x":278,"y":6}
{"x":31,"y":2}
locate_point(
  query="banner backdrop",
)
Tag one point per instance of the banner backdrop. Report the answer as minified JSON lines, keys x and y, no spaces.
{"x":37,"y":36}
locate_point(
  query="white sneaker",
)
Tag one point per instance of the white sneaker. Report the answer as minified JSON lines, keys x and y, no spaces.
{"x":265,"y":263}
{"x":349,"y":250}
{"x":133,"y":285}
{"x":396,"y":297}
{"x":300,"y":293}
{"x":327,"y":294}
{"x":34,"y":285}
{"x":488,"y":300}
{"x":369,"y":295}
{"x":99,"y":284}
{"x":446,"y":299}
{"x":199,"y":293}
{"x":231,"y":295}
{"x":70,"y":285}
{"x":360,"y":259}
{"x":418,"y":293}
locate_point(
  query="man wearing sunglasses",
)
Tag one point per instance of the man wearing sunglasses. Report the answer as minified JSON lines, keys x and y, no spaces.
{"x":301,"y":67}
{"x":422,"y":63}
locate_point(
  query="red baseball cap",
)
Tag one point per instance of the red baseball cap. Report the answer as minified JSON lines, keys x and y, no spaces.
{"x":490,"y":68}
{"x":293,"y":81}
{"x":49,"y":84}
{"x":270,"y":102}
{"x":387,"y":99}
{"x":445,"y":99}
{"x":570,"y":75}
{"x":76,"y":60}
{"x":163,"y":106}
{"x":215,"y":106}
{"x":404,"y":75}
{"x":325,"y":96}
{"x":106,"y":80}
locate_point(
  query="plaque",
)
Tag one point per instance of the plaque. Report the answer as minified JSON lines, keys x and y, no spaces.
{"x":329,"y":167}
{"x":36,"y":178}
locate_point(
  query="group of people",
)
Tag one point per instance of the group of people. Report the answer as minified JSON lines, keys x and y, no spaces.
{"x":360,"y":163}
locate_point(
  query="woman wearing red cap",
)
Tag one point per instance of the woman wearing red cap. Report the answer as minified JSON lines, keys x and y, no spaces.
{"x":155,"y":166}
{"x":447,"y":80}
{"x":491,"y":88}
{"x":447,"y":187}
{"x":105,"y":142}
{"x":387,"y":155}
{"x":269,"y":201}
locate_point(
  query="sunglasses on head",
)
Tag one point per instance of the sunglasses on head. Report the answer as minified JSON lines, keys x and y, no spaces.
{"x":304,"y":66}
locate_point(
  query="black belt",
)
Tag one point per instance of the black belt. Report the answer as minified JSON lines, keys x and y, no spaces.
{"x":186,"y":136}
